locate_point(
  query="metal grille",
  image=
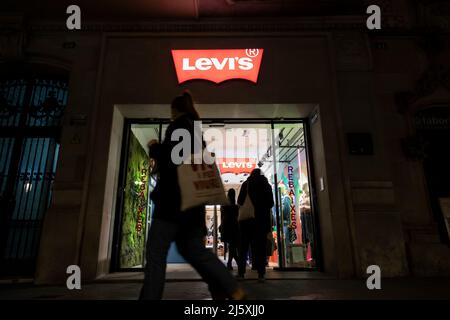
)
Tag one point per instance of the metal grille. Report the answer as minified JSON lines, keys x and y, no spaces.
{"x":31,"y":111}
{"x":12,"y":93}
{"x":6,"y":145}
{"x":291,"y":139}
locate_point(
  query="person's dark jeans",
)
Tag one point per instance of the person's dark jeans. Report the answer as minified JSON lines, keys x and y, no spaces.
{"x":233,"y":252}
{"x":246,"y":231}
{"x":252,"y":236}
{"x":190,"y":244}
{"x":259,"y":251}
{"x":160,"y":236}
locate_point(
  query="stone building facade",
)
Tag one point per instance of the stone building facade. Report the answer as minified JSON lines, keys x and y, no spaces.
{"x":372,"y":209}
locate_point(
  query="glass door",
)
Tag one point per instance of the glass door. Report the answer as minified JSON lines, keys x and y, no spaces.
{"x":239,"y":148}
{"x":278,"y":148}
{"x":137,"y":184}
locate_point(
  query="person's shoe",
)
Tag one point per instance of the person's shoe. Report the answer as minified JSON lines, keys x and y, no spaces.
{"x":240,"y":277}
{"x":218,"y":296}
{"x":261,"y":279}
{"x":238,"y":294}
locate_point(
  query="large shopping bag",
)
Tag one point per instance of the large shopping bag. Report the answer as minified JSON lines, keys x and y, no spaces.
{"x":200,"y":184}
{"x":247,"y":210}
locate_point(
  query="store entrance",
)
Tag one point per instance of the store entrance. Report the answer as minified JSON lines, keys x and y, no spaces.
{"x":433,"y":132}
{"x":278,"y":148}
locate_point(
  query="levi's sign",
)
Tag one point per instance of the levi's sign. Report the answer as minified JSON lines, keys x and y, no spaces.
{"x":217,"y":65}
{"x":236,"y":165}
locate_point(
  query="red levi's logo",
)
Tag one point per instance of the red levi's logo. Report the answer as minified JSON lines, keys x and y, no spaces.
{"x":237,"y":165}
{"x":217,"y":65}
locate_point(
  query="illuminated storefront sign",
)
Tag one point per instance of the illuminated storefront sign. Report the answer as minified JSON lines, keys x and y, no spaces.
{"x":237,"y":165}
{"x":217,"y":65}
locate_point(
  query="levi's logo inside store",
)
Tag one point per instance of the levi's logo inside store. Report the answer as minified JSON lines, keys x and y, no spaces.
{"x":217,"y":65}
{"x":236,"y":165}
{"x":235,"y":170}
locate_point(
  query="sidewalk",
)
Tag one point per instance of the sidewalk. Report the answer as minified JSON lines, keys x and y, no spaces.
{"x":185,"y":284}
{"x":184,"y":272}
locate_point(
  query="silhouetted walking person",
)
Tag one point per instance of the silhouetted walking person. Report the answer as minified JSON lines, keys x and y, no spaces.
{"x":255,"y":230}
{"x":230,"y":228}
{"x":186,"y":228}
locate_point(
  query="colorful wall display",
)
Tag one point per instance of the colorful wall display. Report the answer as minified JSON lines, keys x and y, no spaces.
{"x":135,"y":207}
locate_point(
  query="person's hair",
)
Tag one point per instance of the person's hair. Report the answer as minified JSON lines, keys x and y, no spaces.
{"x":255,"y":172}
{"x":232,"y":196}
{"x":185,"y":104}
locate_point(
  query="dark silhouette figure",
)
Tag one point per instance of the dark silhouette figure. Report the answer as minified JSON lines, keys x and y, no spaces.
{"x":187,"y":228}
{"x":255,"y":230}
{"x":229,"y":228}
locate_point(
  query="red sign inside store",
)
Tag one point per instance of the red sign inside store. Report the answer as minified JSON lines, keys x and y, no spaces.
{"x":217,"y":65}
{"x":236,"y":165}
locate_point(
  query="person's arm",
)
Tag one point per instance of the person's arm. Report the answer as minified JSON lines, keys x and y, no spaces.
{"x":268,"y":194}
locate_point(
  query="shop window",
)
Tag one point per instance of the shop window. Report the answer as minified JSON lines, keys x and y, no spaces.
{"x":433,"y":133}
{"x":297,"y":219}
{"x":279,"y":150}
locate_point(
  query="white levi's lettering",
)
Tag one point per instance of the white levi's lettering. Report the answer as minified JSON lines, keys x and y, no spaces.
{"x":219,"y":65}
{"x":203,"y":64}
{"x":238,"y":165}
{"x":186,"y":65}
{"x":245,"y":64}
{"x":231,"y":64}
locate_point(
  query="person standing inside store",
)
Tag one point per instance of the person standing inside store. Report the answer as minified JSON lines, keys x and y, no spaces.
{"x":271,"y":245}
{"x":255,"y":230}
{"x":187,"y":228}
{"x":306,"y":220}
{"x":229,"y":228}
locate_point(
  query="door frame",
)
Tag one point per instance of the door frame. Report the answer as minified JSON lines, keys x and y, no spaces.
{"x":115,"y":256}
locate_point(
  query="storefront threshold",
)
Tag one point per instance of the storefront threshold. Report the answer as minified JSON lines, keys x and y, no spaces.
{"x":184,"y":272}
{"x":15,"y":280}
{"x":294,"y":269}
